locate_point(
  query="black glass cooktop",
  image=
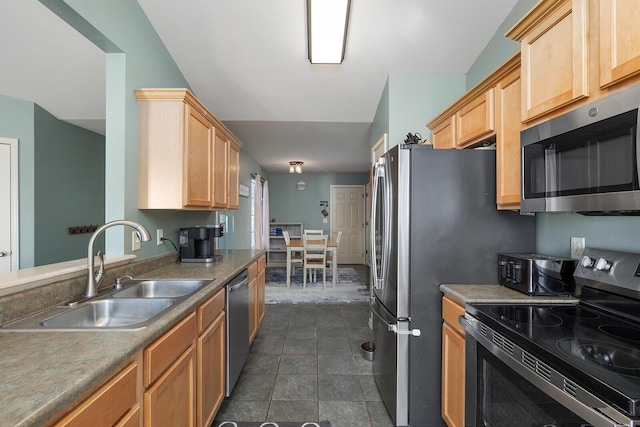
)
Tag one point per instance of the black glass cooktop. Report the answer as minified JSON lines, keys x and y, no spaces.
{"x":596,"y":349}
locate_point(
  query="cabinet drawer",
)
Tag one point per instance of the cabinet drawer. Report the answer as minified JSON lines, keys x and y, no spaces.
{"x":261,"y":263}
{"x":253,"y":270}
{"x":210,"y":309}
{"x":106,"y":406}
{"x":166,"y":349}
{"x":451,"y":310}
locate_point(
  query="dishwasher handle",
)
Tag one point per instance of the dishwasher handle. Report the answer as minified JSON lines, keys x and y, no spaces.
{"x":238,"y":282}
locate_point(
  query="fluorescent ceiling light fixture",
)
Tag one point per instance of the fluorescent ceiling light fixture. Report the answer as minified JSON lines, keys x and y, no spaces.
{"x":327,"y":22}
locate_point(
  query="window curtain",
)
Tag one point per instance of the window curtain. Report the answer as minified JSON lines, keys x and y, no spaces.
{"x":265,"y":215}
{"x":259,"y":219}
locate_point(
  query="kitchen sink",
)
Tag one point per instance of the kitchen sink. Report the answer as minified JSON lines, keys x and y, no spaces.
{"x":163,"y":288}
{"x":138,"y":304}
{"x":110,"y":313}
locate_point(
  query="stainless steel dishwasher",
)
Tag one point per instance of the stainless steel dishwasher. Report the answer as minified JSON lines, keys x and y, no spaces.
{"x":237,"y":327}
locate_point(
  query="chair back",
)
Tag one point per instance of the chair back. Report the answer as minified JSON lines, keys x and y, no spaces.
{"x":315,"y":248}
{"x":287,"y":240}
{"x":314,"y":232}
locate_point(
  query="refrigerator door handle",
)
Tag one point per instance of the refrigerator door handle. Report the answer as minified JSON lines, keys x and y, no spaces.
{"x":377,"y":280}
{"x":394,"y":327}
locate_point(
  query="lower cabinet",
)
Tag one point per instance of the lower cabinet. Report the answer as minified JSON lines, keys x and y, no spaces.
{"x":257,"y":297}
{"x":452,"y":363}
{"x":211,"y":368}
{"x":170,"y":401}
{"x":113,"y":404}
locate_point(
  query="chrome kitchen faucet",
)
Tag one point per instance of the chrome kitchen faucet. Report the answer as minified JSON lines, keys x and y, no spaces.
{"x":96,"y":277}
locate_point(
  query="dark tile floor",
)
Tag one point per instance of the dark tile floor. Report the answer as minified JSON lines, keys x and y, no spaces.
{"x":305,"y":365}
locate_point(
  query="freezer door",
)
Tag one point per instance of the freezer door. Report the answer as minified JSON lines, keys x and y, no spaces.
{"x":391,"y":363}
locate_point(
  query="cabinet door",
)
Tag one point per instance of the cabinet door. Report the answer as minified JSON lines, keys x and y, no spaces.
{"x":452,"y":376}
{"x":233,"y":173}
{"x":261,"y":297}
{"x":619,"y":40}
{"x":220,"y":156}
{"x":443,"y":135}
{"x":171,"y":401}
{"x":476,"y":119}
{"x":198,"y":159}
{"x":253,"y":309}
{"x":554,"y":60}
{"x":211,"y":371}
{"x":509,"y":125}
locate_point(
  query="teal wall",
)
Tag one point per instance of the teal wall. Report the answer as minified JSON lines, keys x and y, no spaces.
{"x":69,"y":187}
{"x":499,"y":48}
{"x":554,"y":230}
{"x":415,"y":99}
{"x":380,"y":124}
{"x":288,"y":204}
{"x":61,"y":182}
{"x":17,"y":121}
{"x":136,"y":58}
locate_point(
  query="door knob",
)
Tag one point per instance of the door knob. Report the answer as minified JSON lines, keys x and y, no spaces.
{"x":3,"y":254}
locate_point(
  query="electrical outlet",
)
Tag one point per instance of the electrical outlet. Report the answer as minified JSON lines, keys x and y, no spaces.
{"x":135,"y":241}
{"x":577,"y":246}
{"x":159,"y":235}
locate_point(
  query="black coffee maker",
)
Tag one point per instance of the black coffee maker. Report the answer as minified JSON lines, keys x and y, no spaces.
{"x":197,"y":244}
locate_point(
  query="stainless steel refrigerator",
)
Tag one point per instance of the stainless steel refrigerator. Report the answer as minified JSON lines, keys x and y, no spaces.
{"x":434,"y":220}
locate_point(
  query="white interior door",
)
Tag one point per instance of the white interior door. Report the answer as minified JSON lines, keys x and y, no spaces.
{"x":8,"y":204}
{"x":347,"y":215}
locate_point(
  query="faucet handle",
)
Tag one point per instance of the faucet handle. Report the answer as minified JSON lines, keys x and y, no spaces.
{"x":118,"y":284}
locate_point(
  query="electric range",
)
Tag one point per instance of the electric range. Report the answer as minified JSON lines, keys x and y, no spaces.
{"x":585,"y":356}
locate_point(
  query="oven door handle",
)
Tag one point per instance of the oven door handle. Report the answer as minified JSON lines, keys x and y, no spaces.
{"x":601,"y":415}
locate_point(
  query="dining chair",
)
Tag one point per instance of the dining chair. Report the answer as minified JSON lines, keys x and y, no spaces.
{"x":333,"y":256}
{"x":315,"y":257}
{"x":296,"y":256}
{"x":314,"y":232}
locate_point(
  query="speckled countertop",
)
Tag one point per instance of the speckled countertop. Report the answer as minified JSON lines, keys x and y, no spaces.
{"x":497,"y":294}
{"x":42,"y":372}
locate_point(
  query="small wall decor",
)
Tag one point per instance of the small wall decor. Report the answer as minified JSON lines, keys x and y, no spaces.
{"x":244,"y":191}
{"x":301,"y":185}
{"x":324,"y":213}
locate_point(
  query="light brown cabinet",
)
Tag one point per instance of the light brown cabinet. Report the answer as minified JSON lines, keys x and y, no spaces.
{"x":443,"y":134}
{"x":489,"y":112}
{"x":114,"y":404}
{"x":508,"y":127}
{"x":553,"y":44}
{"x":211,"y":363}
{"x":257,"y":302}
{"x":619,"y":40}
{"x":475,"y":119}
{"x":453,"y":360}
{"x":184,"y":154}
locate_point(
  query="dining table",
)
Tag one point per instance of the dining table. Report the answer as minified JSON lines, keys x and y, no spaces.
{"x":297,"y":245}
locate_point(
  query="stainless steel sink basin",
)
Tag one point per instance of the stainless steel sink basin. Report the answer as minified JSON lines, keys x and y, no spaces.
{"x":110,"y":313}
{"x":161,"y":288}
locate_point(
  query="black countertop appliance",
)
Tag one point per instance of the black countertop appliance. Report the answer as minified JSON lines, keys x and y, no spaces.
{"x":197,"y":244}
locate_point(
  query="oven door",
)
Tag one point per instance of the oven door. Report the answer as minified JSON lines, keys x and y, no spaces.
{"x":507,"y":386}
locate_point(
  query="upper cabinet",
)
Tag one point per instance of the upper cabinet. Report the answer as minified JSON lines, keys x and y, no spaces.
{"x":619,"y":40}
{"x":576,"y":51}
{"x":187,"y":159}
{"x":553,"y":45}
{"x":490,"y":111}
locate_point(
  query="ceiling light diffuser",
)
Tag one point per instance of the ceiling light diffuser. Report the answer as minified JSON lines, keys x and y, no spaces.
{"x":327,"y":22}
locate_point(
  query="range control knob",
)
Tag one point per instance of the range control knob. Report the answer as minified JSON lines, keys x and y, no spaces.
{"x":587,"y":262}
{"x":603,"y":265}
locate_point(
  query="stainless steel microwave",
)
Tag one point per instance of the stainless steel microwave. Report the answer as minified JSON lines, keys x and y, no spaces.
{"x":585,"y":160}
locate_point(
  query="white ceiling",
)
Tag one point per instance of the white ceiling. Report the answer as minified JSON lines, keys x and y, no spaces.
{"x":247,"y":61}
